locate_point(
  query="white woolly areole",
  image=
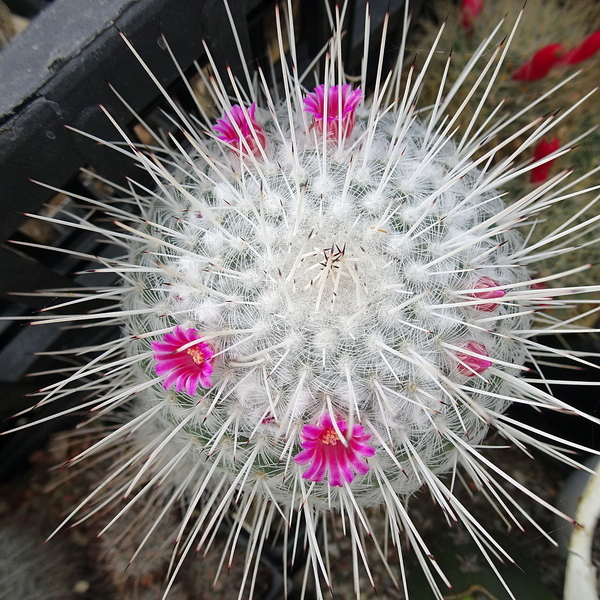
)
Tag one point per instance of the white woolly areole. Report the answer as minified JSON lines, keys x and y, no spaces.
{"x":330,"y":284}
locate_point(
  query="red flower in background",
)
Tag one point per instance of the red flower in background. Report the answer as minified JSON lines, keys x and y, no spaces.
{"x":555,"y":55}
{"x":469,"y":11}
{"x":545,"y":147}
{"x":585,"y":50}
{"x":541,"y":63}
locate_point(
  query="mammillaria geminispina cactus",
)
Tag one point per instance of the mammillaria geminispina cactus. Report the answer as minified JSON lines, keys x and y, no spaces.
{"x":326,"y":305}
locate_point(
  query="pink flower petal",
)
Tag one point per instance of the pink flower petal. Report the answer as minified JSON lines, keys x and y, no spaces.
{"x":325,"y":422}
{"x":541,"y":63}
{"x":336,"y":478}
{"x":360,"y":466}
{"x":540,"y":173}
{"x":185,"y":369}
{"x":471,"y":364}
{"x":337,"y":97}
{"x":312,"y":432}
{"x":362,"y":449}
{"x":483,"y":292}
{"x":316,"y":471}
{"x":327,"y":456}
{"x":304,"y":457}
{"x":170,"y":380}
{"x":240,"y":129}
{"x":346,"y":474}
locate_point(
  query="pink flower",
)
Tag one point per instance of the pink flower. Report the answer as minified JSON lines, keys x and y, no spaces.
{"x":470,"y":365}
{"x":541,"y":63}
{"x":187,"y":368}
{"x":483,"y":292}
{"x":545,"y":147}
{"x":469,"y":11}
{"x":585,"y":50}
{"x":327,"y":453}
{"x":315,"y":104}
{"x":242,"y":131}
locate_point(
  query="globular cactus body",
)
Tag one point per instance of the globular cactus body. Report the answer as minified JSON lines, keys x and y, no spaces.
{"x":344,"y":284}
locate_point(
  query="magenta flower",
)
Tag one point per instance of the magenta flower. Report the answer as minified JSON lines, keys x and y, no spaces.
{"x":184,"y":368}
{"x":315,"y":103}
{"x":470,"y":365}
{"x":329,"y":455}
{"x":483,"y":285}
{"x":241,"y":131}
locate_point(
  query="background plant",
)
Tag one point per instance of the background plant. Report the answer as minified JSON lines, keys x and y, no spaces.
{"x":554,"y":41}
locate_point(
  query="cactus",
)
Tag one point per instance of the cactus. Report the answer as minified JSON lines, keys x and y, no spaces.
{"x":326,"y":305}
